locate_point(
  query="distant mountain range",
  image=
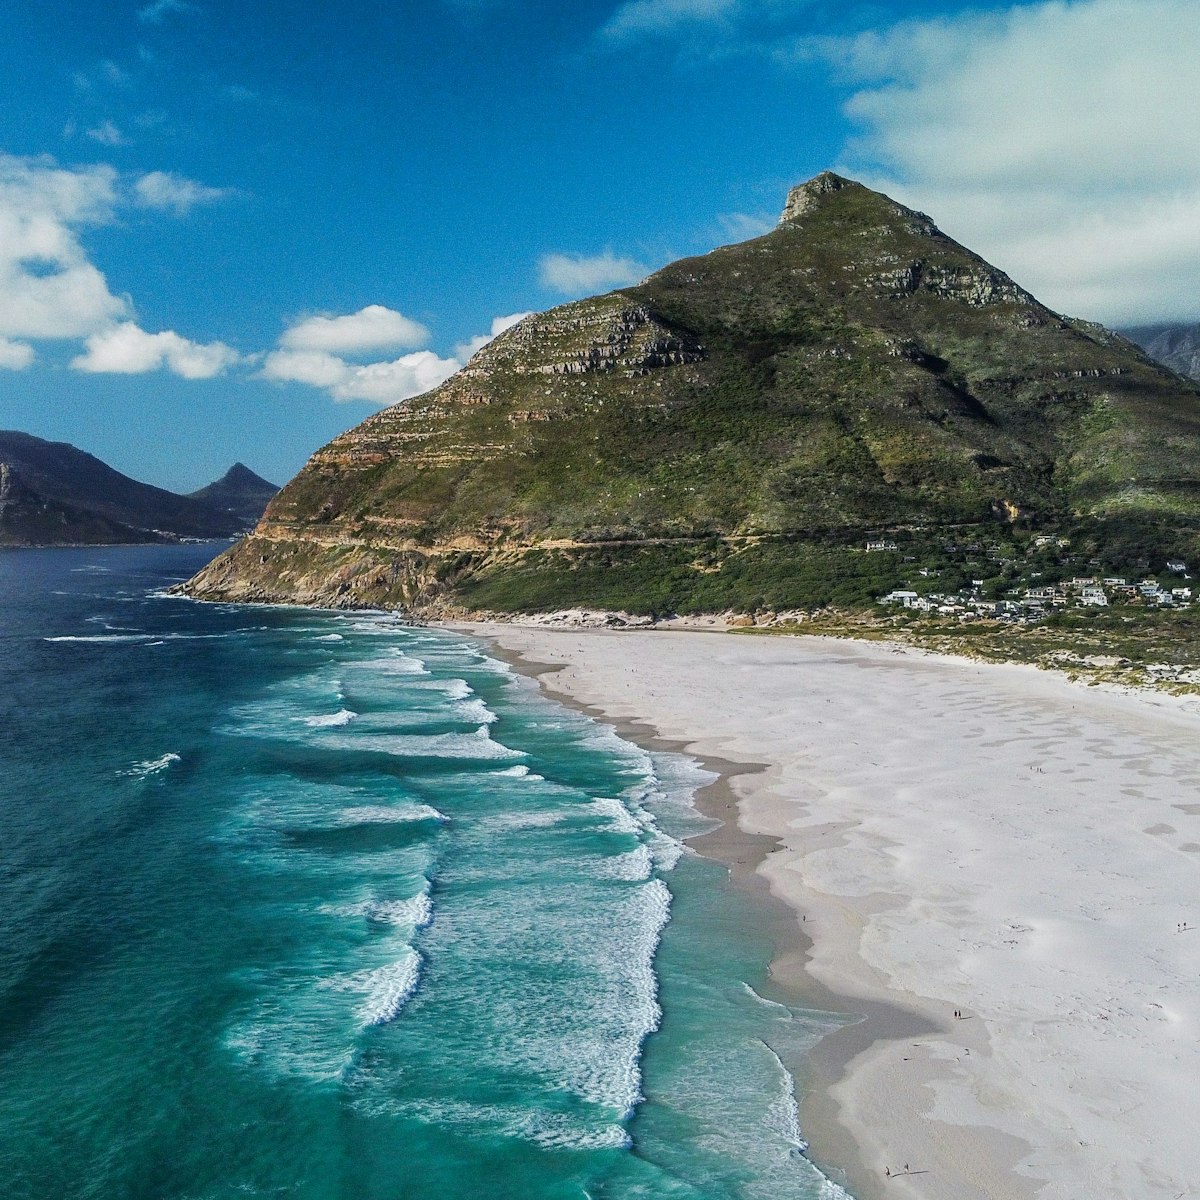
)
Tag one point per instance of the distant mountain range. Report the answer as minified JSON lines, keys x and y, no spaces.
{"x":1175,"y":346}
{"x":732,"y":428}
{"x":240,"y":492}
{"x":54,"y":494}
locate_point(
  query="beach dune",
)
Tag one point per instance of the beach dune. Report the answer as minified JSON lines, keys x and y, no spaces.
{"x":996,"y":867}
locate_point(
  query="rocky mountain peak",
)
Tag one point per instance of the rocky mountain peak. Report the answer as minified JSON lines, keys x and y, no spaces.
{"x":805,"y":197}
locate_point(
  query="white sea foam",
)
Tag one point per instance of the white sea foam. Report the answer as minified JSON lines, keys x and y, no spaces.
{"x":512,"y":821}
{"x":620,"y":819}
{"x":330,"y":637}
{"x":114,"y":638}
{"x":474,"y":710}
{"x":330,"y":720}
{"x":635,"y":866}
{"x":378,"y":814}
{"x":387,"y":989}
{"x":476,"y":745}
{"x":783,"y":1113}
{"x":152,"y":766}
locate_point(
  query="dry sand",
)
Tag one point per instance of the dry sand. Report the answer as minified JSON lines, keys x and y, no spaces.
{"x":954,"y":836}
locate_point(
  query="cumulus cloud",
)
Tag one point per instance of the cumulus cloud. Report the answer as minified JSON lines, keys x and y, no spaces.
{"x":126,"y":349}
{"x":48,"y":288}
{"x":378,"y":382}
{"x":465,"y":351}
{"x":306,"y":355}
{"x":372,"y":328}
{"x":580,"y":275}
{"x":15,"y":356}
{"x":163,"y":189}
{"x":1044,"y":138}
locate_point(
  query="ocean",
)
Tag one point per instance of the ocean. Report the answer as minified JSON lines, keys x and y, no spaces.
{"x":314,"y":905}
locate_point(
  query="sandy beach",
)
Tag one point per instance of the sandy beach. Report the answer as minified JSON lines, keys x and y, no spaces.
{"x":997,"y":868}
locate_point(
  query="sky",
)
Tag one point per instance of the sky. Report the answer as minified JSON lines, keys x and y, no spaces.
{"x":230,"y":231}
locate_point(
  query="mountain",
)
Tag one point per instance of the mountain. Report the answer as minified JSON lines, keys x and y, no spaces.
{"x":1175,"y":346}
{"x":238,"y":491}
{"x":731,"y":428}
{"x":53,"y":494}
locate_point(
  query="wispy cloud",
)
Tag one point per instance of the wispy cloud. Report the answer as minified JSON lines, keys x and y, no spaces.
{"x":107,"y":134}
{"x":741,"y":226}
{"x":165,"y":190}
{"x":656,"y":18}
{"x":1042,"y":136}
{"x":158,"y":12}
{"x":580,"y":275}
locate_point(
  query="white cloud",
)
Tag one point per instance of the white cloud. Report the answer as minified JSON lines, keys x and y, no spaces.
{"x":579,"y":275}
{"x":372,"y":328}
{"x":162,"y":189}
{"x":125,"y":349}
{"x":379,"y":383}
{"x":1048,"y":138}
{"x":107,"y":134}
{"x":48,"y":288}
{"x":465,"y":351}
{"x":15,"y":356}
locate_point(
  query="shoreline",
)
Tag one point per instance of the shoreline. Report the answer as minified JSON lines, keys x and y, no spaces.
{"x":743,"y":853}
{"x":910,"y":1083}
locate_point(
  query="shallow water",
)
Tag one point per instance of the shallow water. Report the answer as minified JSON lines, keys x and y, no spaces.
{"x":314,"y":905}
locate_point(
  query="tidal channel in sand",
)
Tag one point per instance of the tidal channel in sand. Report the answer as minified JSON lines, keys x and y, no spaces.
{"x":949,"y":837}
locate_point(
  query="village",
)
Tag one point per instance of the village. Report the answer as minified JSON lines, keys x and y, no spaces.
{"x":994,"y":582}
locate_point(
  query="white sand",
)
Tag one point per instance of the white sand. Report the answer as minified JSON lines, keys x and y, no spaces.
{"x":985,"y":838}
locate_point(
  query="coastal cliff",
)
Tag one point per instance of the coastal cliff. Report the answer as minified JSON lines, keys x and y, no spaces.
{"x":728,"y":422}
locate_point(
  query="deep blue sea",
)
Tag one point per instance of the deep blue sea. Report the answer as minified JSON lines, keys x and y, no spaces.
{"x":317,"y":906}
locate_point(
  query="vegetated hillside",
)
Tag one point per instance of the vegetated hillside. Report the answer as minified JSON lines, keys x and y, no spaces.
{"x":729,"y":429}
{"x":1175,"y":346}
{"x":53,"y":494}
{"x":239,"y":491}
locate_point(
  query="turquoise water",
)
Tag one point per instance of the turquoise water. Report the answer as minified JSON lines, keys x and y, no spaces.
{"x":312,"y":905}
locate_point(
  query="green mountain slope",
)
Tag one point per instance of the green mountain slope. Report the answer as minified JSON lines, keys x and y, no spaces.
{"x":732,"y":420}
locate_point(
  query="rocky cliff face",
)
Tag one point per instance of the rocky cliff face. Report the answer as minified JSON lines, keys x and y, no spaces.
{"x":854,"y":369}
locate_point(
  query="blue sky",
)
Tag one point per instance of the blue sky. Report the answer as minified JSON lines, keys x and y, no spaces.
{"x":230,"y":231}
